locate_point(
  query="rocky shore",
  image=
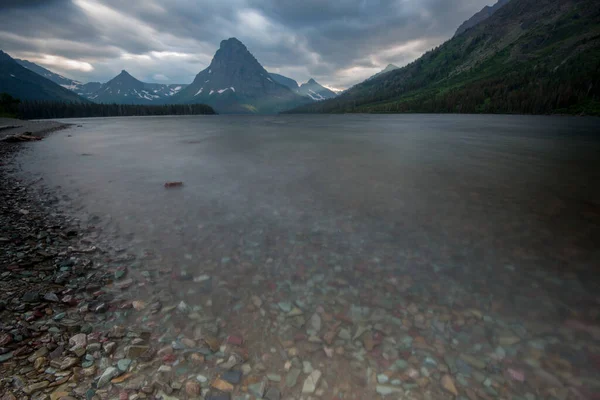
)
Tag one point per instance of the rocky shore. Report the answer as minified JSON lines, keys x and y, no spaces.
{"x":83,"y":318}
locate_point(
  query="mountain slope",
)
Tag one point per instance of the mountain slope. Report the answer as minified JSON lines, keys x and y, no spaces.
{"x":235,"y":82}
{"x":285,"y":81}
{"x":25,"y":84}
{"x":481,"y":16}
{"x":54,"y":77}
{"x":315,"y":91}
{"x":82,"y":89}
{"x":125,"y":89}
{"x":531,"y":56}
{"x":389,"y":68}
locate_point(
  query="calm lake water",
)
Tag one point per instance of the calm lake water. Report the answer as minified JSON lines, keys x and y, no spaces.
{"x":403,"y":221}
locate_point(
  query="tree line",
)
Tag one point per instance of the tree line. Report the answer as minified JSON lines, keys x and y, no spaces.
{"x":41,"y":109}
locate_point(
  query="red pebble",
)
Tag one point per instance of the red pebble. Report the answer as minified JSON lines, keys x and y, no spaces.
{"x":235,"y":340}
{"x":169,"y":358}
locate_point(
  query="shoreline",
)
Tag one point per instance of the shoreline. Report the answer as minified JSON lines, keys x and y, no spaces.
{"x":52,"y":275}
{"x":39,"y":128}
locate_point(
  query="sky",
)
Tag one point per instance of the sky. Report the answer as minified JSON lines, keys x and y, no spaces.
{"x":337,"y":42}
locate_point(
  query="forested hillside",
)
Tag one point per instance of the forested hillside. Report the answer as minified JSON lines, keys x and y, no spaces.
{"x":531,"y":56}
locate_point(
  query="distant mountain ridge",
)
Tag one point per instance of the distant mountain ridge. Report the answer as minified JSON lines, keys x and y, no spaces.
{"x":529,"y":57}
{"x":311,"y":89}
{"x":235,"y":82}
{"x":125,"y":89}
{"x":481,"y":16}
{"x":315,"y":91}
{"x":155,"y":93}
{"x":25,"y":84}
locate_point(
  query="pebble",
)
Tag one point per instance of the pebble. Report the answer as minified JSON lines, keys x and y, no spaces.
{"x":311,"y":382}
{"x":124,"y":364}
{"x":257,"y":389}
{"x":35,"y":387}
{"x":448,"y":384}
{"x":292,"y":377}
{"x":233,"y":377}
{"x":193,"y":389}
{"x":222,"y":385}
{"x":107,"y":375}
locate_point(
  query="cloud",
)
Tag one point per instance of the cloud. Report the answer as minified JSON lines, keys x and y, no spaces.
{"x":338,"y":42}
{"x":62,"y":63}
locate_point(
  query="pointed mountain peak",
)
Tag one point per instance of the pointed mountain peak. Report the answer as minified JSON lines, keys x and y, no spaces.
{"x":4,"y":56}
{"x":232,"y":43}
{"x":125,"y":74}
{"x":312,"y":81}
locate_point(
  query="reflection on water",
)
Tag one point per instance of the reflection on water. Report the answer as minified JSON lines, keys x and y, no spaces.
{"x":395,"y":254}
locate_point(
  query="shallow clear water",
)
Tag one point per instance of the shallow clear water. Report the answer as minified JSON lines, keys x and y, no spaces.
{"x":362,"y":216}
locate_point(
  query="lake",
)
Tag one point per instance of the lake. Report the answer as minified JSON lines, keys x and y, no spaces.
{"x":451,"y":240}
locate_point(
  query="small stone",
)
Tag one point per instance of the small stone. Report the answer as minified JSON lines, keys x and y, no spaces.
{"x":311,"y":382}
{"x":257,"y":389}
{"x":51,"y":297}
{"x":124,"y":364}
{"x":40,"y":362}
{"x":307,"y":367}
{"x":508,"y":339}
{"x":382,"y":378}
{"x":201,"y":378}
{"x":473,"y":361}
{"x":5,"y":339}
{"x":193,"y":389}
{"x":448,"y":384}
{"x":516,"y":375}
{"x":136,"y":351}
{"x":292,"y":377}
{"x":235,"y":340}
{"x":256,"y":301}
{"x":213,"y":343}
{"x":295,"y":312}
{"x":35,"y":387}
{"x":344,"y":334}
{"x":78,"y":341}
{"x":68,"y":362}
{"x":109,"y":347}
{"x":315,"y":322}
{"x":222,"y":385}
{"x":274,"y":377}
{"x":31,"y":297}
{"x":386,"y":390}
{"x":233,"y":377}
{"x":107,"y":375}
{"x":138,"y":305}
{"x":273,"y":394}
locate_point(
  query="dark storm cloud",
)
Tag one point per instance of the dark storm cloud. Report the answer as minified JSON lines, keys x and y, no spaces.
{"x":339,"y":42}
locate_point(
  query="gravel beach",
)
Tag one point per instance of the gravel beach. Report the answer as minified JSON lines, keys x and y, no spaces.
{"x":10,"y":127}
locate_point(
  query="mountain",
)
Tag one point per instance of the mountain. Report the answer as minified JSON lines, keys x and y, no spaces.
{"x":315,"y":91}
{"x":530,"y":57}
{"x":285,"y":81}
{"x":389,"y":68}
{"x":87,"y":89}
{"x":25,"y":84}
{"x":235,"y":82}
{"x":54,"y":77}
{"x":310,"y":89}
{"x":125,"y":89}
{"x":481,"y":16}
